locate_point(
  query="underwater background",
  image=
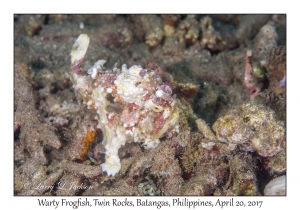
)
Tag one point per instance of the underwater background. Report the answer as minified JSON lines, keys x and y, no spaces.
{"x":228,"y":73}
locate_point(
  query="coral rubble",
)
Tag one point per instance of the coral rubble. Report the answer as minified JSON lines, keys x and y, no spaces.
{"x":254,"y":127}
{"x":182,"y":124}
{"x":33,"y":135}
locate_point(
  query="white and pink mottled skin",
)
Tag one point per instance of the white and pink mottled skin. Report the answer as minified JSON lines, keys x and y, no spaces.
{"x":132,"y":104}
